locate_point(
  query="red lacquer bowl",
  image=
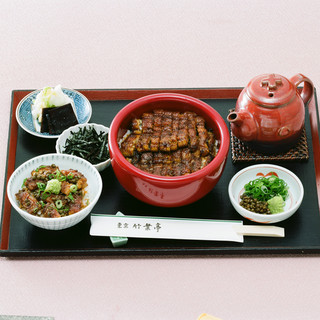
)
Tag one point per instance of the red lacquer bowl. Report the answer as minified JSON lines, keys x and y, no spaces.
{"x":159,"y":190}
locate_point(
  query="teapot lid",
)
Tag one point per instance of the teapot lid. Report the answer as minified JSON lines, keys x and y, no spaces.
{"x":270,"y":90}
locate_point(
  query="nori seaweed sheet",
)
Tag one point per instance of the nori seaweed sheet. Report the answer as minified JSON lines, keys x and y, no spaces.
{"x":55,"y":120}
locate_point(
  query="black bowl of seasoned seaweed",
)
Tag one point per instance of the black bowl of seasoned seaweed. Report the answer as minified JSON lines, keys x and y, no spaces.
{"x":88,"y":141}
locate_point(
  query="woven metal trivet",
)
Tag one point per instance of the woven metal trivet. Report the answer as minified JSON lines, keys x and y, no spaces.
{"x":243,"y":153}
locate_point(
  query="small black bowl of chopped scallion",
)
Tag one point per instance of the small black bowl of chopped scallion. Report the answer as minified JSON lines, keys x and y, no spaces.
{"x":88,"y":141}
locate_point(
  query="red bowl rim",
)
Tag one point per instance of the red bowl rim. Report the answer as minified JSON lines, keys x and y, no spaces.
{"x":120,"y":116}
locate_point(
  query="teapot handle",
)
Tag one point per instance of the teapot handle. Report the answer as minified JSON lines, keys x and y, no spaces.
{"x":308,"y":87}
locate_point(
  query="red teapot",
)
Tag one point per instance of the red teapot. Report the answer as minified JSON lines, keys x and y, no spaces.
{"x":270,"y":112}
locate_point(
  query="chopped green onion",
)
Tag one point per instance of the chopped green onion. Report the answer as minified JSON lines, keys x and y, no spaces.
{"x":45,"y":195}
{"x":73,"y":188}
{"x":40,"y":167}
{"x":70,"y":176}
{"x":41,"y":186}
{"x":59,"y":176}
{"x":59,"y":204}
{"x":24,"y":182}
{"x":71,"y":197}
{"x":64,"y":210}
{"x":265,"y":188}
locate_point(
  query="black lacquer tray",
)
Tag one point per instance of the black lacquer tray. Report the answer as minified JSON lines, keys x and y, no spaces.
{"x":19,"y":238}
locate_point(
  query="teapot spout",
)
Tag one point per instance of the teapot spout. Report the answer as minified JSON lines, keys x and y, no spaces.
{"x":243,"y":125}
{"x":236,"y":118}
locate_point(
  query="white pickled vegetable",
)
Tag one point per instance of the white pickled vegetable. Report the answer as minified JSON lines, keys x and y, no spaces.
{"x":48,"y":98}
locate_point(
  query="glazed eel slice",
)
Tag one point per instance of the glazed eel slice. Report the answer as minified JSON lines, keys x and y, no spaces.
{"x":28,"y":201}
{"x":157,"y":129}
{"x":128,"y":146}
{"x":203,"y":135}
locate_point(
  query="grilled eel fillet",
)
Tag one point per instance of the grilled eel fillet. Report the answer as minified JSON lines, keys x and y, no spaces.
{"x":169,"y":143}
